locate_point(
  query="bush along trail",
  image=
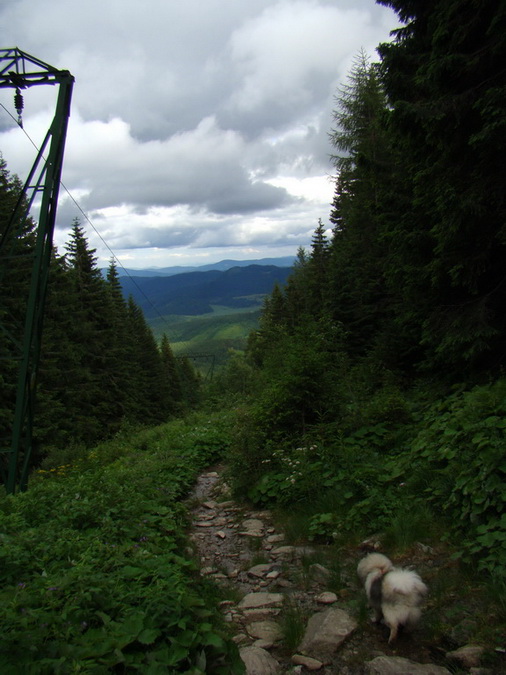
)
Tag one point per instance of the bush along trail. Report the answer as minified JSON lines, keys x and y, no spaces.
{"x":296,"y":607}
{"x":94,"y":573}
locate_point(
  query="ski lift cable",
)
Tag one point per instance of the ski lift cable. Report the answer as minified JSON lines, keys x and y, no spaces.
{"x":90,"y":223}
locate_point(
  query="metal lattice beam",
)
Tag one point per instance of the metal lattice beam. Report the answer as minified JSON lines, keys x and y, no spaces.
{"x":20,"y":71}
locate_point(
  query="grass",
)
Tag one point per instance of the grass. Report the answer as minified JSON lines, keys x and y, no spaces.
{"x":293,"y":622}
{"x":416,"y":524}
{"x":93,"y":574}
{"x":214,"y":333}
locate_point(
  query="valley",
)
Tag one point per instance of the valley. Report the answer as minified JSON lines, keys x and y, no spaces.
{"x":206,"y":310}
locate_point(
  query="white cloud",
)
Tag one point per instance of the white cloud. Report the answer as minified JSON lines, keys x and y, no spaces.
{"x":196,"y":127}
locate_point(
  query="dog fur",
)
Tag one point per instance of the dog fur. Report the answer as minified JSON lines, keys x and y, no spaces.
{"x":394,"y":594}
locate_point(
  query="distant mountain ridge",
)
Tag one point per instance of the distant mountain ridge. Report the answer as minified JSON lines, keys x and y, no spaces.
{"x":222,"y":266}
{"x":193,"y":293}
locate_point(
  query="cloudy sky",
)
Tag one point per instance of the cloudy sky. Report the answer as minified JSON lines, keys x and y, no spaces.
{"x":199,"y":128}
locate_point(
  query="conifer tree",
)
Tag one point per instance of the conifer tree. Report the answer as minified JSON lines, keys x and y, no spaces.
{"x":318,"y":270}
{"x":364,"y":162}
{"x":151,"y":397}
{"x":189,"y":380}
{"x":445,"y":76}
{"x":119,"y":353}
{"x":16,"y":247}
{"x":171,"y":375}
{"x":57,"y":406}
{"x":92,"y":394}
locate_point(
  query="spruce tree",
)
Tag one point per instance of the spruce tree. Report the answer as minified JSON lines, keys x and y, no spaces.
{"x":17,"y":241}
{"x":362,"y":205}
{"x":444,"y":75}
{"x":150,"y":388}
{"x":93,"y":394}
{"x":190,"y":381}
{"x":171,"y":375}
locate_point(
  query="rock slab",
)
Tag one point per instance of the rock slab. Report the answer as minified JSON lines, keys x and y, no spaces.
{"x":265,"y":630}
{"x":255,"y":600}
{"x":325,"y":631}
{"x":468,"y":656}
{"x":396,"y":665}
{"x":258,"y":661}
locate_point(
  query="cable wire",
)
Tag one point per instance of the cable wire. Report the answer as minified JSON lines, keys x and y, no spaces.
{"x":86,"y":217}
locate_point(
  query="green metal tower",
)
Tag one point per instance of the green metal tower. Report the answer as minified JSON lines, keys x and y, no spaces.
{"x":20,"y":71}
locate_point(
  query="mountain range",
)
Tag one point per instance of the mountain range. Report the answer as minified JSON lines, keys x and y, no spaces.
{"x":221,"y":266}
{"x":201,"y":291}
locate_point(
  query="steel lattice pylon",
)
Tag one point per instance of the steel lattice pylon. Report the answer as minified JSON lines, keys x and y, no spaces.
{"x":20,"y":71}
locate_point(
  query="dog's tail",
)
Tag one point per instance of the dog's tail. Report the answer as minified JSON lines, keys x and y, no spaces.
{"x":403,"y":586}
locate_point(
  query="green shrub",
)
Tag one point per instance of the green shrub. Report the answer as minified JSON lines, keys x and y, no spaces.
{"x":458,"y":460}
{"x":91,"y":570}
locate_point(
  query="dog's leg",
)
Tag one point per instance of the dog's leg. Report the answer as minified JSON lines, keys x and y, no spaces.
{"x":394,"y":628}
{"x":377,"y":617}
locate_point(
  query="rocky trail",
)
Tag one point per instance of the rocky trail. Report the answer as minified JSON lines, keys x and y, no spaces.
{"x":289,"y":607}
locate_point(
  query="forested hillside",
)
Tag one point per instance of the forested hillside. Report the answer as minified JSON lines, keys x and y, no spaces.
{"x":100,"y":366}
{"x":382,"y":396}
{"x":197,"y":292}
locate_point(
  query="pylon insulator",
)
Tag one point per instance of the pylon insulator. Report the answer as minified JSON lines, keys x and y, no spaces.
{"x":19,"y":104}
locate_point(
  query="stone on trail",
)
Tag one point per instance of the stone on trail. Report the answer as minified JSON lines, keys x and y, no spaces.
{"x":262,"y":599}
{"x":260,"y":614}
{"x":325,"y":631}
{"x":252,"y":527}
{"x":319,"y":571}
{"x":283,"y":552}
{"x":253,"y":524}
{"x":258,"y":661}
{"x":468,"y":656}
{"x":326,"y":598}
{"x":259,"y":570}
{"x":275,"y":538}
{"x":265,"y":630}
{"x":307,"y":662}
{"x":397,"y":665}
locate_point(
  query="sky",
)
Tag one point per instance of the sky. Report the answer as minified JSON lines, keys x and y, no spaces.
{"x":199,"y":129}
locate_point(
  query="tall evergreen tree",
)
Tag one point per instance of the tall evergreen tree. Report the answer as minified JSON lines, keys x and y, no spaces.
{"x":92,"y":391}
{"x":16,"y":248}
{"x":190,"y":381}
{"x":151,"y":403}
{"x":445,"y":77}
{"x":362,"y":204}
{"x":171,"y":375}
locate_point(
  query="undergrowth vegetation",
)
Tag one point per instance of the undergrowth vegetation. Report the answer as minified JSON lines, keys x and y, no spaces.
{"x":95,"y":575}
{"x":438,"y":467}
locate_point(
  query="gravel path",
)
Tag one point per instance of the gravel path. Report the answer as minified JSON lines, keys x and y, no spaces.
{"x":289,"y":609}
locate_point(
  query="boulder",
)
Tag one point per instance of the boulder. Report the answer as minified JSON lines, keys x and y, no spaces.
{"x":468,"y":656}
{"x":325,"y":631}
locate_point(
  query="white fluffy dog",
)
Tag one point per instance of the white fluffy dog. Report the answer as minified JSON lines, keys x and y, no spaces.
{"x":394,"y":594}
